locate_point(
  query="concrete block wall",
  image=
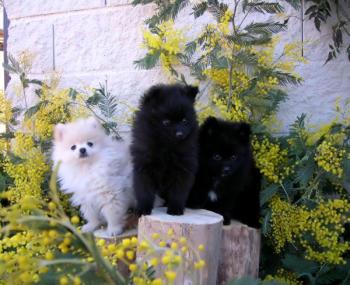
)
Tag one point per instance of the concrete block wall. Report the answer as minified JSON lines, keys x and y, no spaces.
{"x":91,"y":41}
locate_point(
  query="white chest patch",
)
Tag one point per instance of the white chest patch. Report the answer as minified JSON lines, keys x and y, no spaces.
{"x":212,"y":196}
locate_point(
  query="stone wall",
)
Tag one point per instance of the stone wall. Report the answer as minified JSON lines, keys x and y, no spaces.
{"x":93,"y":41}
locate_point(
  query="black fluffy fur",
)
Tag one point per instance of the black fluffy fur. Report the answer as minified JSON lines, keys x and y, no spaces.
{"x":227,"y":172}
{"x":164,"y":147}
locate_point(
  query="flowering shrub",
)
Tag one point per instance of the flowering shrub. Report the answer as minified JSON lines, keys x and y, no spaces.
{"x":306,"y":174}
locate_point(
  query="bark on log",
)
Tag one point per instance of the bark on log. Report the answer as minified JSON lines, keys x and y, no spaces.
{"x":240,"y":252}
{"x":198,"y":227}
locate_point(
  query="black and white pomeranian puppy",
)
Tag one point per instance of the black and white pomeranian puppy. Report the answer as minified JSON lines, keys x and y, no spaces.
{"x":164,"y":147}
{"x":227,"y":182}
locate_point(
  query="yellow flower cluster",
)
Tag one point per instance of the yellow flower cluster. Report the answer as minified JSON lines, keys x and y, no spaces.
{"x":167,"y":40}
{"x":272,"y":123}
{"x":29,"y":173}
{"x":5,"y":118}
{"x":266,"y":52}
{"x":18,"y":258}
{"x":263,"y":87}
{"x":220,"y":77}
{"x":124,"y":251}
{"x":237,"y":112}
{"x":330,"y":158}
{"x":326,"y":225}
{"x":224,"y":24}
{"x":290,"y":57}
{"x":5,"y":109}
{"x":319,"y":230}
{"x":285,"y":277}
{"x":172,"y":254}
{"x":204,"y":111}
{"x":265,"y":57}
{"x":272,"y":160}
{"x":54,"y":109}
{"x":286,"y":220}
{"x":216,"y":35}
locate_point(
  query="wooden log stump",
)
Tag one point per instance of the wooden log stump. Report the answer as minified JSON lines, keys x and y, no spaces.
{"x":240,"y":252}
{"x":198,"y":227}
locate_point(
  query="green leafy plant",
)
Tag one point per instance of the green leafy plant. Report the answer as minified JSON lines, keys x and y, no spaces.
{"x":321,"y":11}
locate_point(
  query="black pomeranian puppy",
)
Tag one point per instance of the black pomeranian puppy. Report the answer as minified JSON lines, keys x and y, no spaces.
{"x":227,"y":182}
{"x":164,"y":147}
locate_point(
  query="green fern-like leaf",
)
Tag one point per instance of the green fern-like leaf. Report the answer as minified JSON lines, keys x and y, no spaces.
{"x":217,"y":9}
{"x":107,"y":102}
{"x":191,"y":48}
{"x":299,"y":265}
{"x":244,"y":281}
{"x":199,"y":9}
{"x":13,"y":66}
{"x":285,"y":78}
{"x":147,"y":62}
{"x":297,"y":132}
{"x":247,"y":39}
{"x":264,"y":7}
{"x":268,"y":193}
{"x":166,"y":10}
{"x":34,"y":109}
{"x":265,"y":28}
{"x":178,"y":6}
{"x":143,"y":2}
{"x":332,"y":274}
{"x":247,"y":58}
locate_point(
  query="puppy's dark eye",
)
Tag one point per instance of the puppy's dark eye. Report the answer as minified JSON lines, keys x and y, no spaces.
{"x":73,"y":147}
{"x":166,"y":123}
{"x":233,"y":157}
{"x":184,"y":120}
{"x":217,"y":157}
{"x":90,"y":144}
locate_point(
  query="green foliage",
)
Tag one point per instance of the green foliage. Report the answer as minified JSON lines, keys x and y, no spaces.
{"x":253,"y":281}
{"x":148,"y":62}
{"x":321,"y":12}
{"x":262,"y":7}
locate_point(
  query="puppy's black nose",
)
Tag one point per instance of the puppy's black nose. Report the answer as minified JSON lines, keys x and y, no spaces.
{"x":179,"y":134}
{"x":82,"y":150}
{"x":226,"y":170}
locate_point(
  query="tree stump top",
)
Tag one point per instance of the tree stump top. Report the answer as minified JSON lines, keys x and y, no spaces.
{"x":191,"y":217}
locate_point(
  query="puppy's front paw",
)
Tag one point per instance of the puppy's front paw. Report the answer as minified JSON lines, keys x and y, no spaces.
{"x":143,"y":212}
{"x":89,"y":227}
{"x":175,"y":211}
{"x":114,"y":230}
{"x":227,"y":220}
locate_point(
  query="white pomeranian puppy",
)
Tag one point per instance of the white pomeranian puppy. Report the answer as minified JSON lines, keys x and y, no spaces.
{"x":96,"y":170}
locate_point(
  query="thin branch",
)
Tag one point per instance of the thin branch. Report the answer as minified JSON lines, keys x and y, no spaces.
{"x":285,"y":191}
{"x":234,"y":15}
{"x":229,"y":99}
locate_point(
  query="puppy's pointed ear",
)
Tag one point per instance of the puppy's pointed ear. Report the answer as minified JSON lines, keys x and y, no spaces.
{"x":58,"y":132}
{"x":92,"y":121}
{"x":244,"y":132}
{"x":191,"y":92}
{"x":209,"y":126}
{"x":152,"y":94}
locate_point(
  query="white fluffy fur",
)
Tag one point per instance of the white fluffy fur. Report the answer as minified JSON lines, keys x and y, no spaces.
{"x":99,"y":183}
